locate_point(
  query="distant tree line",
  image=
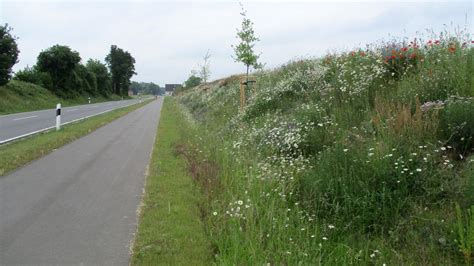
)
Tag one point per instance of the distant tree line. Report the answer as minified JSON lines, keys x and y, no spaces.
{"x":59,"y":69}
{"x":146,"y":88}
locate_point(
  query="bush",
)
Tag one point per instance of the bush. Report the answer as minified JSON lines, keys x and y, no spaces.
{"x":32,"y":75}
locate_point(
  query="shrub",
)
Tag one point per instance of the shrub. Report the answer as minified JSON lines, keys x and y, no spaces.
{"x":32,"y":75}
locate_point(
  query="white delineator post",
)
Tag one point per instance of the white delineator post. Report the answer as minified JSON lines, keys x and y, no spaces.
{"x":58,"y":116}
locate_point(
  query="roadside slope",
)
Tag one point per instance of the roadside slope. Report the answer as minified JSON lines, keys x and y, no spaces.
{"x":18,"y":96}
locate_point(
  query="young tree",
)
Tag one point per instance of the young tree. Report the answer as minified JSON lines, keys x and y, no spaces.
{"x":122,"y":67}
{"x":244,"y":51}
{"x":205,"y":68}
{"x":8,"y":54}
{"x":59,"y":62}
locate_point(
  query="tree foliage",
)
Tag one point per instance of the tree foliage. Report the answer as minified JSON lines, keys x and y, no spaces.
{"x":59,"y":69}
{"x":59,"y":62}
{"x":146,"y":88}
{"x":192,"y":81}
{"x":102,"y":76}
{"x":8,"y":53}
{"x":122,"y":67}
{"x":33,"y":75}
{"x":244,"y":51}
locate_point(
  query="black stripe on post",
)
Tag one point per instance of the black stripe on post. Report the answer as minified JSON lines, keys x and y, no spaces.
{"x":58,"y":111}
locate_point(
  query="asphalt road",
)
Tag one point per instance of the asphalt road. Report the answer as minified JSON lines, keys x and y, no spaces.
{"x":78,"y":205}
{"x":23,"y":123}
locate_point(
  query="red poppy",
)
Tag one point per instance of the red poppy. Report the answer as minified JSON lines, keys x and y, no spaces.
{"x":452,"y":49}
{"x":404,"y":49}
{"x":413,"y":55}
{"x":437,"y":42}
{"x":362,"y":53}
{"x":394,"y":56}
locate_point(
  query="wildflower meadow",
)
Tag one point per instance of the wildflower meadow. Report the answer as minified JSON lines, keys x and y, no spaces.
{"x":358,"y":157}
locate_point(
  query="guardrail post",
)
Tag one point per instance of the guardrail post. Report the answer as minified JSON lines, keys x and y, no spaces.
{"x":58,"y":116}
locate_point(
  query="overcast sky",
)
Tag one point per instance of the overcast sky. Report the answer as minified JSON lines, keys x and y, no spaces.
{"x":169,"y":38}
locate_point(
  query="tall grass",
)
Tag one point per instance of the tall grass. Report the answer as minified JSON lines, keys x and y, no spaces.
{"x":355,"y":158}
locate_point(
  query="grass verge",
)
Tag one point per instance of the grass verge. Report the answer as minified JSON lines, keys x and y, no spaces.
{"x":18,"y":153}
{"x":170,"y":229}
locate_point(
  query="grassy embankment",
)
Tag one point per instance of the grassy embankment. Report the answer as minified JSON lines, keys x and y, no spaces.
{"x":170,"y":230}
{"x":18,"y":96}
{"x":18,"y":153}
{"x":356,"y":158}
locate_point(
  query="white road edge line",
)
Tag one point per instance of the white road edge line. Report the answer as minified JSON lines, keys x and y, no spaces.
{"x":69,"y":122}
{"x":72,"y":110}
{"x":22,"y":118}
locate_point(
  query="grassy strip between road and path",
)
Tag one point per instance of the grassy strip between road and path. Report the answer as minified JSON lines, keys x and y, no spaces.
{"x":21,"y":152}
{"x":170,"y":231}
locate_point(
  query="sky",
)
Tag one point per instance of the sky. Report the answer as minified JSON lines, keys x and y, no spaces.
{"x":168,"y":39}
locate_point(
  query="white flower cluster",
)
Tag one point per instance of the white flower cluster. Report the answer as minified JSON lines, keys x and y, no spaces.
{"x":296,"y":83}
{"x":237,"y":208}
{"x":355,"y":78}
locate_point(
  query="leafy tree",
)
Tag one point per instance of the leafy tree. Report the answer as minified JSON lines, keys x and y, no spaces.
{"x":205,"y":68}
{"x":59,"y":62}
{"x":8,"y":54}
{"x":32,"y":75}
{"x":122,"y":67}
{"x":102,"y":76}
{"x":244,"y":51}
{"x":192,"y":81}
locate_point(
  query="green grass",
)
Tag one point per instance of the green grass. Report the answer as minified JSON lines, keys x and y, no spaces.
{"x":170,"y":231}
{"x":18,"y":96}
{"x":18,"y":153}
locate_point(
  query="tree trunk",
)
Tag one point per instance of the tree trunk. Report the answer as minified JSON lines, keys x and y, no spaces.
{"x":247,"y":78}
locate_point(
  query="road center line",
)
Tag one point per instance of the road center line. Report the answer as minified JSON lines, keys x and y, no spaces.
{"x":21,"y":118}
{"x":72,"y":110}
